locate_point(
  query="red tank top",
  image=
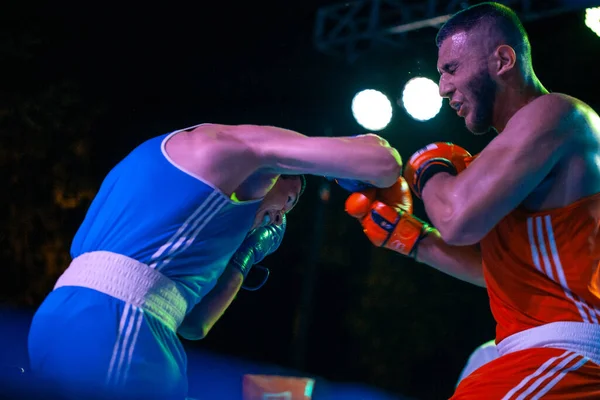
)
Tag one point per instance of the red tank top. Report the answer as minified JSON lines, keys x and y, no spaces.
{"x":541,"y":267}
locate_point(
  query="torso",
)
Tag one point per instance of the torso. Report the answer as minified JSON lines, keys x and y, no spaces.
{"x":158,"y":212}
{"x":576,"y":177}
{"x":541,"y":259}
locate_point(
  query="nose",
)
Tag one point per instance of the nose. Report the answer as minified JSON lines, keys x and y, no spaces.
{"x":278,"y":218}
{"x":445,"y":88}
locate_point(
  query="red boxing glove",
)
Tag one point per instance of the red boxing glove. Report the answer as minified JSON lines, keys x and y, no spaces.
{"x":469,"y":160}
{"x":385,"y":215}
{"x":396,"y":196}
{"x":358,"y":204}
{"x":433,"y":159}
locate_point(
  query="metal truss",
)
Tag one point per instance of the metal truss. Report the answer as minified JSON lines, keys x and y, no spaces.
{"x":351,"y":28}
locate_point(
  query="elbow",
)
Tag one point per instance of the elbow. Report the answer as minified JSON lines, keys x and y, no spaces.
{"x":449,"y":213}
{"x":456,"y":232}
{"x":451,"y":234}
{"x":198,"y":333}
{"x":456,"y":227}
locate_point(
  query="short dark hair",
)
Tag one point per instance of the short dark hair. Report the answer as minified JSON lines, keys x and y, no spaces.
{"x":504,"y":19}
{"x":302,"y":181}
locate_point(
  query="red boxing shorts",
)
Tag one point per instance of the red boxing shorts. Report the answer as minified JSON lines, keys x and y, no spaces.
{"x":532,"y":366}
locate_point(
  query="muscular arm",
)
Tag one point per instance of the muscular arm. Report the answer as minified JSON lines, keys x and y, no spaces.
{"x":366,"y":157}
{"x":205,"y":314}
{"x":461,"y":262}
{"x":464,"y":208}
{"x":227,"y":155}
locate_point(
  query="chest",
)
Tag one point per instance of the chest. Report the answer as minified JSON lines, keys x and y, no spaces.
{"x":544,"y":196}
{"x":570,"y":181}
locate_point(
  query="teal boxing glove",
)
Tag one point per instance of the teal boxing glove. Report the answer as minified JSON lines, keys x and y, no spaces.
{"x":258,"y":244}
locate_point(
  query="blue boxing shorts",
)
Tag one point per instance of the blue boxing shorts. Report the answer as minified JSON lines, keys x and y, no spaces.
{"x":108,"y":329}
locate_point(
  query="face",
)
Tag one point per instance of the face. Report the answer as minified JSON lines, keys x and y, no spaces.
{"x":466,"y":81}
{"x":280,"y":200}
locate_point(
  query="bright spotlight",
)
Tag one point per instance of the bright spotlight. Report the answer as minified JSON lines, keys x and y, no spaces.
{"x":372,"y":109}
{"x":421,"y":98}
{"x":592,"y":19}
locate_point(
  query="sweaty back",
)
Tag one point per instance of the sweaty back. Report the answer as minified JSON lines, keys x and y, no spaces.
{"x":153,"y":211}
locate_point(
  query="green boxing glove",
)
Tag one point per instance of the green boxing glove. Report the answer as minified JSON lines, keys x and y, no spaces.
{"x":258,"y":244}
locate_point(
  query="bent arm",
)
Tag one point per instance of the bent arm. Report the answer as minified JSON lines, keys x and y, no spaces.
{"x":461,"y":262}
{"x":464,"y":208}
{"x":205,"y":314}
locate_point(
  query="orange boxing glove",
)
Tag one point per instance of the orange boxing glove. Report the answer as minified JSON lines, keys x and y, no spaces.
{"x":433,"y":159}
{"x":396,"y":196}
{"x":469,"y":160}
{"x":358,"y":204}
{"x":388,"y":225}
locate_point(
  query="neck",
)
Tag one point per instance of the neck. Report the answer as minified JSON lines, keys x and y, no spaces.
{"x":514,"y":98}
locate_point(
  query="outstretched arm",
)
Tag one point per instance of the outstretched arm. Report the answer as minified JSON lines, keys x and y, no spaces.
{"x":365,"y":157}
{"x":227,"y":155}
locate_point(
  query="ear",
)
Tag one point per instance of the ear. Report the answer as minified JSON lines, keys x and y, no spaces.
{"x":505,"y":59}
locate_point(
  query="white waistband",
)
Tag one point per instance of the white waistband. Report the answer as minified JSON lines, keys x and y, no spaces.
{"x":579,"y":337}
{"x":130,"y":281}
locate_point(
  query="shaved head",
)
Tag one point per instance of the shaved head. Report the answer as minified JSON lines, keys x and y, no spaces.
{"x":488,"y":26}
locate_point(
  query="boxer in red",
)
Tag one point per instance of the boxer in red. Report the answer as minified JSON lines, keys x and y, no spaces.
{"x":521,"y":219}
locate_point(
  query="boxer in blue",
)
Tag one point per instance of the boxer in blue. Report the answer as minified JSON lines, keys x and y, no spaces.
{"x":167,"y":243}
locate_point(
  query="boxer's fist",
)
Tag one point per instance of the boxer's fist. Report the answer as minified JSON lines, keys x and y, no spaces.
{"x":385,"y":215}
{"x":258,"y":244}
{"x":359,"y":204}
{"x":393,"y":228}
{"x":397,"y":196}
{"x":433,"y":159}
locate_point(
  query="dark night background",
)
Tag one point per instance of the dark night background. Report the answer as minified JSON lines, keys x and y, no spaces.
{"x":82,"y":83}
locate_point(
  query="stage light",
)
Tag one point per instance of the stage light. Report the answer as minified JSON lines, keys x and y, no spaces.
{"x":592,"y":19}
{"x":372,"y":109}
{"x":421,"y":98}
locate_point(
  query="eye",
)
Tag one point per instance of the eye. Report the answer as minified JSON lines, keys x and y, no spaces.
{"x":449,"y":68}
{"x":449,"y":71}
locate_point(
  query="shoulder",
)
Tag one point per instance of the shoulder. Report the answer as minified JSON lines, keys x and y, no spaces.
{"x":554,"y":117}
{"x":216,"y":153}
{"x":244,"y":137}
{"x":561,"y":110}
{"x":214,"y":141}
{"x":548,"y":110}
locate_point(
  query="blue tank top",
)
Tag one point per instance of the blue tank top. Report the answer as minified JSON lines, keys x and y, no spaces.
{"x":153,"y":211}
